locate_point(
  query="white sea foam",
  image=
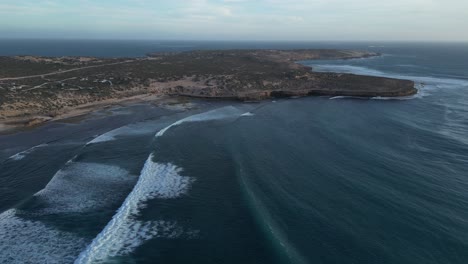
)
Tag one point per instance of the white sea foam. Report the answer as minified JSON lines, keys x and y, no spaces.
{"x":26,"y":241}
{"x":128,"y":130}
{"x":348,"y":97}
{"x":149,"y":127}
{"x":425,"y":84}
{"x":248,"y":114}
{"x":346,"y":69}
{"x":124,"y":232}
{"x":440,"y":82}
{"x":393,"y":98}
{"x":23,"y":154}
{"x":109,"y":136}
{"x":81,"y":187}
{"x":217,"y":114}
{"x":339,"y":97}
{"x":76,"y":188}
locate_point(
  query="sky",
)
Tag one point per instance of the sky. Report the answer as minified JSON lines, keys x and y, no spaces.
{"x":287,"y":20}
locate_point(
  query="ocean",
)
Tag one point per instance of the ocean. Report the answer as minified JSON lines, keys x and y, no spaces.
{"x":305,"y":180}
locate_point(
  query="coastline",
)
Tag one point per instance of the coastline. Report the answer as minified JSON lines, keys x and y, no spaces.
{"x":13,"y":125}
{"x":260,"y":75}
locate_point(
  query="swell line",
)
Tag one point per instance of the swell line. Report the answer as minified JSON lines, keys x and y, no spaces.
{"x":124,"y":233}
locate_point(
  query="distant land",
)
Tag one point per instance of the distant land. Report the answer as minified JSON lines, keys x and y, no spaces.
{"x":37,"y":89}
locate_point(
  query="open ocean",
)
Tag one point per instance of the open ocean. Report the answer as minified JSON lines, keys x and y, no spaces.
{"x":307,"y":180}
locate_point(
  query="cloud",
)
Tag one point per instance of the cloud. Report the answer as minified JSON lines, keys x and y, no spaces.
{"x":244,"y":19}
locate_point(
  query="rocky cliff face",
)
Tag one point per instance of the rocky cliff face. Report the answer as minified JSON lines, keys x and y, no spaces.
{"x":323,"y":84}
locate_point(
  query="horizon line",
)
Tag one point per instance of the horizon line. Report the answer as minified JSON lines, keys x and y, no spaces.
{"x":234,"y":41}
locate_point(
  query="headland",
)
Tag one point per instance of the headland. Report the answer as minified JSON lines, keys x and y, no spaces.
{"x":36,"y":89}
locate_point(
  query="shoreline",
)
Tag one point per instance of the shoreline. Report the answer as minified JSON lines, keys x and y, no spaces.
{"x":237,"y":75}
{"x":15,"y":124}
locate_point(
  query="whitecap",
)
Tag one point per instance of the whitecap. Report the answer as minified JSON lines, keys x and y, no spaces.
{"x":347,"y":97}
{"x":400,"y":98}
{"x":440,"y":82}
{"x":27,"y":241}
{"x":23,"y":154}
{"x":248,"y":114}
{"x":81,"y":187}
{"x":346,"y":69}
{"x":125,"y":232}
{"x":424,"y":84}
{"x":338,"y":97}
{"x":135,"y":129}
{"x":217,"y":114}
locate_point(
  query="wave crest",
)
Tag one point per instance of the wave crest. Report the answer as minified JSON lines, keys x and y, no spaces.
{"x":125,"y":232}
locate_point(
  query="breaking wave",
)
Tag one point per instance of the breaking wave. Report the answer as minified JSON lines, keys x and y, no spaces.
{"x":81,"y":187}
{"x":27,"y":241}
{"x":76,"y":188}
{"x":128,"y":130}
{"x":124,"y":232}
{"x":21,"y":155}
{"x":424,"y":84}
{"x":217,"y":114}
{"x":441,"y":82}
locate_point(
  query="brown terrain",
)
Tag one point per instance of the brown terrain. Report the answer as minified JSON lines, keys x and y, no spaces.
{"x":37,"y":89}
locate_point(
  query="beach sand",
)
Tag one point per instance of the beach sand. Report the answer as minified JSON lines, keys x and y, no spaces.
{"x":78,"y":113}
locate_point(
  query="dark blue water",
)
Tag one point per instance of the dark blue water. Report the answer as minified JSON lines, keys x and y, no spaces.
{"x":310,"y":180}
{"x":134,"y":48}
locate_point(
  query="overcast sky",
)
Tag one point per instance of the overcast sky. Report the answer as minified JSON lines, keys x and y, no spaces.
{"x":308,"y":20}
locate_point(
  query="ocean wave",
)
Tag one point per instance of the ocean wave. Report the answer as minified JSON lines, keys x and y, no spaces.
{"x":26,"y":241}
{"x":147,"y":127}
{"x":135,"y":129}
{"x":21,"y":155}
{"x":346,"y":69}
{"x":372,"y":72}
{"x":374,"y":98}
{"x":81,"y":187}
{"x":217,"y":114}
{"x":125,"y":232}
{"x":425,"y":84}
{"x":76,"y":188}
{"x":400,"y":98}
{"x":347,"y":97}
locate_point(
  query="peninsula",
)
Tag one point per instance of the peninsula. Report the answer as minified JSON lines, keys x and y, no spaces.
{"x":37,"y":89}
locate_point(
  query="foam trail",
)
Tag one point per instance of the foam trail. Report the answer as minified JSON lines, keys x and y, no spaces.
{"x":216,"y":114}
{"x":132,"y":129}
{"x":424,"y":83}
{"x":339,"y":97}
{"x":394,"y":98}
{"x":248,"y":114}
{"x":81,"y":187}
{"x":109,"y":136}
{"x":441,"y":82}
{"x":23,"y":154}
{"x":26,"y":241}
{"x":124,"y":232}
{"x":78,"y":187}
